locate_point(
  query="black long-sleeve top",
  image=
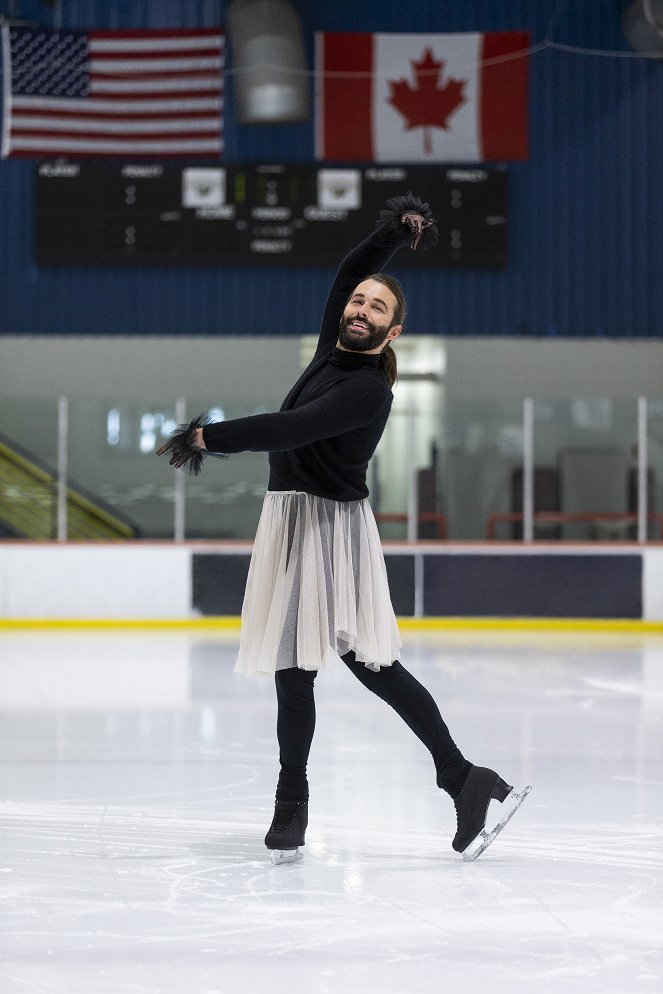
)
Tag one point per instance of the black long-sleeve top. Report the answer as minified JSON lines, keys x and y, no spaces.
{"x":329,"y":425}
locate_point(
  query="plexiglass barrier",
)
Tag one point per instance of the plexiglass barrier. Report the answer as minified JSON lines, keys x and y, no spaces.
{"x":585,"y":469}
{"x":582,"y":469}
{"x":28,"y":469}
{"x":651,"y":473}
{"x":483,"y":452}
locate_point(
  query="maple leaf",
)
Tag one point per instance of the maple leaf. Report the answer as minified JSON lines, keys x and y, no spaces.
{"x":427,"y":105}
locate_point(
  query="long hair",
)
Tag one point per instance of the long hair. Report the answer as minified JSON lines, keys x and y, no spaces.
{"x":388,"y":363}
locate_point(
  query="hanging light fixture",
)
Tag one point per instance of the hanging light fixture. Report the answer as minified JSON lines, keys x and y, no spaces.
{"x":643,"y":26}
{"x":268,"y":60}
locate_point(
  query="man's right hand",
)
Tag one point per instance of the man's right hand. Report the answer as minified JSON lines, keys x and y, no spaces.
{"x":417,"y":224}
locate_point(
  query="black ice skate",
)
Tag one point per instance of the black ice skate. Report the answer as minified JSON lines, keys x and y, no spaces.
{"x":287,"y":831}
{"x":482,"y":786}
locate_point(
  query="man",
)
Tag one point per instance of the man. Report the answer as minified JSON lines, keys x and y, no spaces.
{"x":317,"y":587}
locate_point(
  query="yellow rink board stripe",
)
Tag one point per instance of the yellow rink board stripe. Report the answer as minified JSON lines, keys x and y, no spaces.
{"x":230,"y":623}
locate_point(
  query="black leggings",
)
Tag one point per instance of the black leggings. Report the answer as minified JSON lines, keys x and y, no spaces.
{"x":296,"y":723}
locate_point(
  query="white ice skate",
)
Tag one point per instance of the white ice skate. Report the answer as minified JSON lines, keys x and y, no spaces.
{"x":485,"y":838}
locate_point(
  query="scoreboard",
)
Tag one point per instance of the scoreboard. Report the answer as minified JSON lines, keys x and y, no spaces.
{"x":159,"y":214}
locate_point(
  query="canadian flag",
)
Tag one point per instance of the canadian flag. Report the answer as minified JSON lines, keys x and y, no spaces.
{"x":422,"y":97}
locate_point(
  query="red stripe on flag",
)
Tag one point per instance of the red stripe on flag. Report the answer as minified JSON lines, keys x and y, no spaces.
{"x":161,"y":154}
{"x":147,"y":77}
{"x":346,"y":101}
{"x":121,"y":98}
{"x":504,"y":96}
{"x":129,"y":138}
{"x":154,"y":33}
{"x":143,"y":54}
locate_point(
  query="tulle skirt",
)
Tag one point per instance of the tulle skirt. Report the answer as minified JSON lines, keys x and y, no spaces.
{"x":317,"y":587}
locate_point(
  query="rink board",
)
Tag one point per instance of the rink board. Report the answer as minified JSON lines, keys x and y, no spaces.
{"x":574,"y":585}
{"x":152,"y":581}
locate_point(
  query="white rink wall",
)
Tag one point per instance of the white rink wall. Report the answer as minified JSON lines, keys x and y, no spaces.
{"x":95,"y":581}
{"x":652,"y":584}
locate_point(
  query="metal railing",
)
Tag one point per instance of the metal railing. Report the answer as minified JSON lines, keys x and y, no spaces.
{"x":567,"y":518}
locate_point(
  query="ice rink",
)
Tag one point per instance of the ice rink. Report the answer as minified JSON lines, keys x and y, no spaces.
{"x":138,"y":775}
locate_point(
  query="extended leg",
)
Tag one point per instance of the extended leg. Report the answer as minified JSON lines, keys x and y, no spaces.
{"x":410,"y":699}
{"x":471,"y":787}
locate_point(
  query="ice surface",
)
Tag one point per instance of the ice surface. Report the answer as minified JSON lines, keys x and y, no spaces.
{"x":137,"y":778}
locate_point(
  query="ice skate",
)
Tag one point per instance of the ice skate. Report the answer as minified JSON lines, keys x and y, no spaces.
{"x":484,"y":839}
{"x":287,"y":831}
{"x":482,"y":786}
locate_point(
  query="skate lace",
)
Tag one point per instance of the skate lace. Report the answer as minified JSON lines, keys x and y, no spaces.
{"x":283,"y":815}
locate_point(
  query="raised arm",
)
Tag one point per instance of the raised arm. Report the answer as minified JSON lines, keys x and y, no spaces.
{"x":405,"y":220}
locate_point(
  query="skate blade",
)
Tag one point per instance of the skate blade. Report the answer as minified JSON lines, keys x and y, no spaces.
{"x":279,"y":856}
{"x":484,"y":838}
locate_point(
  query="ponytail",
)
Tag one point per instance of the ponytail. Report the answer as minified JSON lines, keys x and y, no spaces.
{"x":388,"y":364}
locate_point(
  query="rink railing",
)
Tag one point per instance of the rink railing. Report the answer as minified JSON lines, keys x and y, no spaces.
{"x":567,"y":518}
{"x":408,"y":437}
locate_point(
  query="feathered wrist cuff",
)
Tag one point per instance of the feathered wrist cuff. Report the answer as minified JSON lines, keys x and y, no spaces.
{"x":183,"y":453}
{"x":416,"y":215}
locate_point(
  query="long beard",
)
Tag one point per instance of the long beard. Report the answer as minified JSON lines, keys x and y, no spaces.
{"x":371,"y":339}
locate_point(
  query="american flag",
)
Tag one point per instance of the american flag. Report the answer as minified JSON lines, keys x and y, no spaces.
{"x":112,"y":93}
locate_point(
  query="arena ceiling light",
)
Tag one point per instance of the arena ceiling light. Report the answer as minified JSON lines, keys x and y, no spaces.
{"x":643,"y":26}
{"x":268,"y":62}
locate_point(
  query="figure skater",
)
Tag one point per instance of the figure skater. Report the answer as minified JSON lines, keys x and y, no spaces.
{"x":317,"y":586}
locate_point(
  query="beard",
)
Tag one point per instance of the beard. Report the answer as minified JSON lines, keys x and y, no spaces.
{"x":374,"y":335}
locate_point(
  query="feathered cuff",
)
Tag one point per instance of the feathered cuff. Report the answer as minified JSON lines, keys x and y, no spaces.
{"x":416,"y":215}
{"x":183,"y":454}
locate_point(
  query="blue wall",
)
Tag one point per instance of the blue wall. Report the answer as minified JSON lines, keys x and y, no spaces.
{"x":586,"y":212}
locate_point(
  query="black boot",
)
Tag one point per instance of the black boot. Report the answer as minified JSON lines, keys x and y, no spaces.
{"x":287,"y":831}
{"x":481,"y":786}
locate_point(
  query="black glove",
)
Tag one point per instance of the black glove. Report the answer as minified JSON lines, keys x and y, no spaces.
{"x":414,"y":213}
{"x":183,"y":455}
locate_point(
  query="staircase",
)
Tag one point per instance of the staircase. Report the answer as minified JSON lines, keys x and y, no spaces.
{"x":28,"y":503}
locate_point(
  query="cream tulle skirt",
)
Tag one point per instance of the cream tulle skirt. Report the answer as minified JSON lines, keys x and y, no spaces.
{"x":317,"y":587}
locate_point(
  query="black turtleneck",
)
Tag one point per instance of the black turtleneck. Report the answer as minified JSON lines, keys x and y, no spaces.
{"x":330,"y":423}
{"x":322,"y":442}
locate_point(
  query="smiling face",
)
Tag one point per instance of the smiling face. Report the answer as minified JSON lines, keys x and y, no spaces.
{"x":367,"y":324}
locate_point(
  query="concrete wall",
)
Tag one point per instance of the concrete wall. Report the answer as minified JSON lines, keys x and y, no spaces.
{"x":42,"y":368}
{"x":522,"y":367}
